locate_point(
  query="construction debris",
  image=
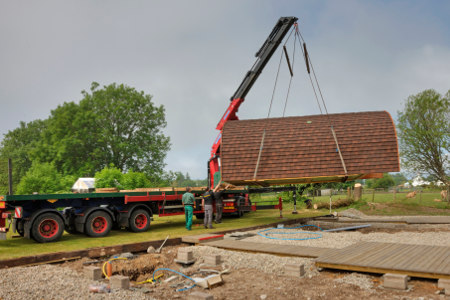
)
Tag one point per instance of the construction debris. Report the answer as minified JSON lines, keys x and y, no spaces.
{"x":99,"y":288}
{"x":200,"y":296}
{"x":162,"y":245}
{"x":334,"y":204}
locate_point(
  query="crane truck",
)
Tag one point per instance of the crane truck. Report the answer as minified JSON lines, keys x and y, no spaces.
{"x":44,"y":217}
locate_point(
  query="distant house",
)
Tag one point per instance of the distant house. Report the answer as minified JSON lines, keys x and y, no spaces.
{"x":418,"y":181}
{"x":84,"y":185}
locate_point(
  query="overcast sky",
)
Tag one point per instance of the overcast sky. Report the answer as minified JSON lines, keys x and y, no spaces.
{"x":192,"y":55}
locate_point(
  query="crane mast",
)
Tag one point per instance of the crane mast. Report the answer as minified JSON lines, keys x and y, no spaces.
{"x":263,"y":56}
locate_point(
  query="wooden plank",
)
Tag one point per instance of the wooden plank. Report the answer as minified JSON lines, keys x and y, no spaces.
{"x":381,"y":253}
{"x":393,"y":258}
{"x":400,"y":257}
{"x":363,"y":254}
{"x":414,"y":260}
{"x":391,"y":255}
{"x":349,"y":250}
{"x":445,"y":266}
{"x":415,"y":255}
{"x":288,"y":250}
{"x":434,"y":254}
{"x":382,"y":270}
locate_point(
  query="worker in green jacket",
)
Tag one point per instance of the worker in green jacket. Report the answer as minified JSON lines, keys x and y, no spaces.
{"x":188,"y":203}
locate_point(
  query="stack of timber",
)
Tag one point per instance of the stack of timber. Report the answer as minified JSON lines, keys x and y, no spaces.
{"x":303,"y":150}
{"x":334,"y":204}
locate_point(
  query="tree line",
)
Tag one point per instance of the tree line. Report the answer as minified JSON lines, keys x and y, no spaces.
{"x":111,"y":125}
{"x":116,"y":131}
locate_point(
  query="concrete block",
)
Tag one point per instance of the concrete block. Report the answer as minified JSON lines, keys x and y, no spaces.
{"x":444,"y":284}
{"x":185,"y":256}
{"x":214,"y":280}
{"x":295,"y":270}
{"x":213,"y":260}
{"x":93,"y":273}
{"x":200,"y":296}
{"x":119,"y":282}
{"x":395,"y":281}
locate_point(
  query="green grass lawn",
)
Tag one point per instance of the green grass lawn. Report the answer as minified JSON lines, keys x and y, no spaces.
{"x":159,"y":229}
{"x":382,"y":204}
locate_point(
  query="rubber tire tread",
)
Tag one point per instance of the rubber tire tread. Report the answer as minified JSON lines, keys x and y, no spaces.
{"x":88,"y":228}
{"x":35,"y":235}
{"x":132,"y":227}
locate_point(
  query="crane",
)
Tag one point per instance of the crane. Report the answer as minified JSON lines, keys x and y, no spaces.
{"x":268,"y":48}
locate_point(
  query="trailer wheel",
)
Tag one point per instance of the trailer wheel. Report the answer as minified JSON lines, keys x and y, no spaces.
{"x":98,"y":224}
{"x":20,"y":227}
{"x":139,"y":221}
{"x":47,"y":227}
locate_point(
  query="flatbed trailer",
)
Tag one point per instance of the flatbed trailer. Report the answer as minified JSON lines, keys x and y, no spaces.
{"x":44,"y":217}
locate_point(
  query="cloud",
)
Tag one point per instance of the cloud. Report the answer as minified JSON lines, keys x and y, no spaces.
{"x":192,"y":55}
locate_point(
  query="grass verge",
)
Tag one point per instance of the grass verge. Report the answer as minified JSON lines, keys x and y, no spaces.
{"x":159,"y":229}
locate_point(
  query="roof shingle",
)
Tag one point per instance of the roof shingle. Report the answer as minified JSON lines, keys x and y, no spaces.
{"x":302,"y":149}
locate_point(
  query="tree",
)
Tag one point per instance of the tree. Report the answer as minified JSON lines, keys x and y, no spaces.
{"x":44,"y":179}
{"x":70,"y":141}
{"x":129,"y":128}
{"x":113,"y":125}
{"x":18,"y":144}
{"x":399,"y":178}
{"x":385,"y":182}
{"x":133,"y":180}
{"x":424,"y":134}
{"x":109,"y":177}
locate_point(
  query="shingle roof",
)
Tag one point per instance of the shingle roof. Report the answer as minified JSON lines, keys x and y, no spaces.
{"x":302,"y":149}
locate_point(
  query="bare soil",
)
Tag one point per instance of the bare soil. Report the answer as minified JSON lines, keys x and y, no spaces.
{"x":246,"y":283}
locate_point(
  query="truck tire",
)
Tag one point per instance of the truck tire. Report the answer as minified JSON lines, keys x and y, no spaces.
{"x":98,"y":224}
{"x":200,"y":216}
{"x":47,"y":227}
{"x":20,"y":227}
{"x":139,"y":221}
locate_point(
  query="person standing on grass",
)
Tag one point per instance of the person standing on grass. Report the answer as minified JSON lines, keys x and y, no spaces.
{"x":188,"y":204}
{"x":207,"y":203}
{"x":218,"y":197}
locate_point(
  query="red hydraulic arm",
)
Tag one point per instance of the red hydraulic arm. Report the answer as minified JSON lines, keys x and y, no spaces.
{"x":264,"y":54}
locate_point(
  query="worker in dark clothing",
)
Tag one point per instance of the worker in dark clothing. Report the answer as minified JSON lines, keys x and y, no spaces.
{"x":207,"y":203}
{"x":188,"y":204}
{"x":218,"y":197}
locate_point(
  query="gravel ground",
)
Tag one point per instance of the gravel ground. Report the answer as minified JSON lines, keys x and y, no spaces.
{"x":64,"y":282}
{"x":263,"y":262}
{"x":52,"y":282}
{"x":344,"y":239}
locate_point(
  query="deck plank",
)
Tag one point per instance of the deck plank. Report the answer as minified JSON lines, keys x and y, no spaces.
{"x":413,"y":260}
{"x":287,"y":250}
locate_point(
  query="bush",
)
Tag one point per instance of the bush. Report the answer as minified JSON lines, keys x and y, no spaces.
{"x":133,"y":180}
{"x":109,"y":177}
{"x":43,"y":178}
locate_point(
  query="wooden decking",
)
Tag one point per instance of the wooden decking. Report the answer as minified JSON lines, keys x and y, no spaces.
{"x":285,"y":250}
{"x":372,"y":257}
{"x":412,"y":260}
